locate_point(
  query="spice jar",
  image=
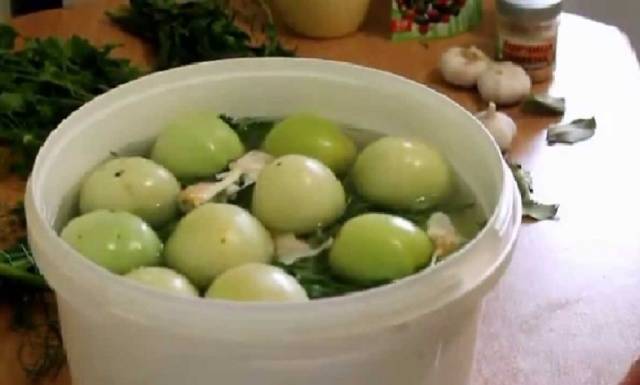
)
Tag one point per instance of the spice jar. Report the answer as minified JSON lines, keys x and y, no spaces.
{"x":528,"y":35}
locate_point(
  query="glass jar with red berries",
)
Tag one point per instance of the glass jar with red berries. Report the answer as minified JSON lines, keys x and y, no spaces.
{"x":428,"y":19}
{"x":528,"y":35}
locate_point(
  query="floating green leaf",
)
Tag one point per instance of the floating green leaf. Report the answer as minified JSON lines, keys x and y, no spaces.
{"x":544,"y":103}
{"x":573,"y":132}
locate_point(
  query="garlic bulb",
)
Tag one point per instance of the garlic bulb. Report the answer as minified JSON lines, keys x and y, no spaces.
{"x":462,"y":66}
{"x":504,"y":83}
{"x":500,"y":126}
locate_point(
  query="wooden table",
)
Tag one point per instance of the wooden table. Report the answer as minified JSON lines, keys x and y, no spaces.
{"x":568,"y":310}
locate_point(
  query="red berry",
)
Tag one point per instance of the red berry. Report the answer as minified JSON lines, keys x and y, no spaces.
{"x":400,"y":25}
{"x":395,"y":25}
{"x":423,"y":29}
{"x":433,"y":14}
{"x":445,"y":18}
{"x":442,"y":2}
{"x":410,"y":14}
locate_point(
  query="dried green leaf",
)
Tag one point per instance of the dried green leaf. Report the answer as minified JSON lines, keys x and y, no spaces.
{"x":523,"y":181}
{"x":573,"y":132}
{"x":539,"y":211}
{"x":530,"y":208}
{"x":544,"y":103}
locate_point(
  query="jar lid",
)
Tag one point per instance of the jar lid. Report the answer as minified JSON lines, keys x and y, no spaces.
{"x":532,"y":10}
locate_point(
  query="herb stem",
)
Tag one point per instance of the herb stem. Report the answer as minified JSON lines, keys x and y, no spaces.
{"x":18,"y":274}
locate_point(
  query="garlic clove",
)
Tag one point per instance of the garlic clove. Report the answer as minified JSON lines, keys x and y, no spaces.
{"x":443,"y":234}
{"x":201,"y":193}
{"x":242,"y":173}
{"x":290,"y":249}
{"x":251,"y":163}
{"x":504,"y":83}
{"x":501,"y":127}
{"x":462,"y":66}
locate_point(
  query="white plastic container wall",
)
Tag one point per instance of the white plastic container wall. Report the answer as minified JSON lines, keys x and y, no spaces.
{"x":418,"y":331}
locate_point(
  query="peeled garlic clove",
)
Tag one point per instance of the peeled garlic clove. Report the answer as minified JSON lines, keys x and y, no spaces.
{"x":289,"y":249}
{"x":501,"y":127}
{"x":251,"y":163}
{"x":504,"y":83}
{"x":242,"y":173}
{"x":462,"y":66}
{"x":201,"y":193}
{"x":443,"y":234}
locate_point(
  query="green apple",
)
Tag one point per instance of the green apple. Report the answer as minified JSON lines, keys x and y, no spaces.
{"x":216,"y":237}
{"x":313,"y":136}
{"x":257,"y":282}
{"x":402,"y":173}
{"x":374,"y":248}
{"x":117,"y":241}
{"x":297,"y":194}
{"x":196,"y":146}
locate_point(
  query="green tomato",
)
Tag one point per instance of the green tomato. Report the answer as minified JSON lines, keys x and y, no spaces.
{"x":297,"y":194}
{"x":214,"y":238}
{"x":313,"y":136}
{"x":137,"y":185}
{"x":117,"y":241}
{"x":379,"y":247}
{"x":402,"y":173}
{"x":257,"y":282}
{"x":196,"y":146}
{"x":163,"y":279}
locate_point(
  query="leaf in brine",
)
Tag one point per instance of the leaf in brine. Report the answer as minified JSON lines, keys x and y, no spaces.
{"x":545,"y":103}
{"x":539,"y":211}
{"x":11,"y":102}
{"x":573,"y":132}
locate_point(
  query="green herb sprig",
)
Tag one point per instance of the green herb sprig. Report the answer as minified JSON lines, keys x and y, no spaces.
{"x":42,"y":83}
{"x":193,"y":31}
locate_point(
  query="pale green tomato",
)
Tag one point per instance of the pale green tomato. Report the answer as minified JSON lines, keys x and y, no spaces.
{"x":379,"y":247}
{"x":257,"y":282}
{"x":297,"y":194}
{"x":137,"y":185}
{"x":313,"y":136}
{"x":117,"y":241}
{"x":163,"y":279}
{"x":402,"y":173}
{"x":196,"y":146}
{"x":214,"y":238}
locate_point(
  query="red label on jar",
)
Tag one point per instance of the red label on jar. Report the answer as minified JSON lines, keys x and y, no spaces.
{"x":530,"y":56}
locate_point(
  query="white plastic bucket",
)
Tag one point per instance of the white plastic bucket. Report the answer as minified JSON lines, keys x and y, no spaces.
{"x":420,"y":330}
